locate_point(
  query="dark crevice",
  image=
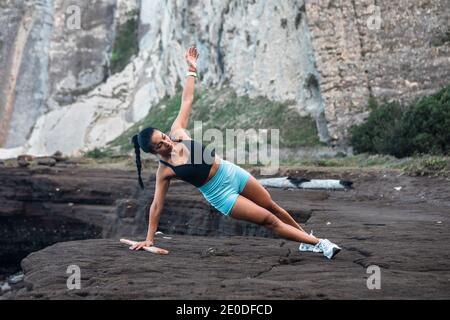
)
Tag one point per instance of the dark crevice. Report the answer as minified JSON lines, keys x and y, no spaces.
{"x":298,"y":18}
{"x":312,"y":84}
{"x":360,"y":262}
{"x":363,"y":262}
{"x":361,"y":48}
{"x":264,"y":271}
{"x":281,"y":261}
{"x":364,"y":253}
{"x":21,"y":236}
{"x":220,"y":55}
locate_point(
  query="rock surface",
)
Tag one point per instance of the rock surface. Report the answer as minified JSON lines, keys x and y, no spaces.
{"x":42,"y":205}
{"x":397,"y":239}
{"x":405,"y":232}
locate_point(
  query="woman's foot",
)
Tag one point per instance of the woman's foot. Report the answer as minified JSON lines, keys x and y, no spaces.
{"x":306,"y":247}
{"x":329,"y":249}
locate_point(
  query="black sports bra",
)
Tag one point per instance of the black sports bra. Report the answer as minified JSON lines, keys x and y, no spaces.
{"x":197,"y":169}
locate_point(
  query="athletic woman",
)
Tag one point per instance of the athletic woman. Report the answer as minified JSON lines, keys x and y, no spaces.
{"x":230,"y":189}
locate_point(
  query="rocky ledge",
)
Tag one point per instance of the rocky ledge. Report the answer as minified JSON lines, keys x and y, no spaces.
{"x":410,"y":246}
{"x":395,"y":222}
{"x":240,"y":268}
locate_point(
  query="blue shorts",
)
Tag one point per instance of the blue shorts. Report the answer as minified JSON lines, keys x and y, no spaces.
{"x":224,"y":188}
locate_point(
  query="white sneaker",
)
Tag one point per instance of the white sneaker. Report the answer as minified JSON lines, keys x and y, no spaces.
{"x":329,"y":248}
{"x":306,"y":247}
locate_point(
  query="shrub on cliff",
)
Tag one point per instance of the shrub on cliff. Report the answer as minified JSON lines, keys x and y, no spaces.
{"x":125,"y":45}
{"x":420,"y":128}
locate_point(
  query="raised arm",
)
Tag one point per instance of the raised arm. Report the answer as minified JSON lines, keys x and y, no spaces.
{"x":162,"y":185}
{"x":181,"y":122}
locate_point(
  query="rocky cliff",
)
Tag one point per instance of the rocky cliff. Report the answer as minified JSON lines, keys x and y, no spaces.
{"x":327,"y":57}
{"x":381,"y":49}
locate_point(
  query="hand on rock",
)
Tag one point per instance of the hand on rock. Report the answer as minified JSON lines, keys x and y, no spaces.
{"x":142,"y":244}
{"x":145,"y":245}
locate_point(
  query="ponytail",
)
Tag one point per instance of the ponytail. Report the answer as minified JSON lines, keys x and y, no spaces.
{"x":138,"y":159}
{"x":142,"y":141}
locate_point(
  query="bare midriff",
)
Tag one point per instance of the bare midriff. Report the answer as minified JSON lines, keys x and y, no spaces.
{"x":212,"y":172}
{"x":215,"y":166}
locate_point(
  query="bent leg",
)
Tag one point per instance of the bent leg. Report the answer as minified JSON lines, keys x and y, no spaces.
{"x":247,"y":210}
{"x":256,"y":192}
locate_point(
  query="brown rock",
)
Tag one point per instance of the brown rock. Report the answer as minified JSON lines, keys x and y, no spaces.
{"x":24,"y":160}
{"x":23,"y":163}
{"x":373,"y":223}
{"x":58,"y":156}
{"x":127,"y":208}
{"x":50,"y":162}
{"x":25,"y":157}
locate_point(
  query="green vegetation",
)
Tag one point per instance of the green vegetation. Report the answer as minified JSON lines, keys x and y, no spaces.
{"x":424,"y":165}
{"x":98,"y":153}
{"x":420,"y":128}
{"x":441,"y":40}
{"x":222,"y":109}
{"x":125,"y":45}
{"x":416,"y":165}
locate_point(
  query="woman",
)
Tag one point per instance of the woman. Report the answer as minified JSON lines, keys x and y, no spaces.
{"x":229,"y":188}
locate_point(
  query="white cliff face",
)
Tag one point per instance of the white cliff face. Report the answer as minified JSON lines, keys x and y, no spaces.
{"x":92,"y":121}
{"x":124,"y":9}
{"x":48,"y":63}
{"x":250,"y":47}
{"x":79,"y":56}
{"x":317,"y":54}
{"x":25,"y":68}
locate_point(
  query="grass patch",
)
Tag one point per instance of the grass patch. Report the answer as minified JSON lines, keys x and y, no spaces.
{"x":416,"y":165}
{"x":99,"y":153}
{"x":222,"y":109}
{"x":427,"y":165}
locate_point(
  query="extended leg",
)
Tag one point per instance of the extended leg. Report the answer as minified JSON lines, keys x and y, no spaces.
{"x":255,"y":192}
{"x":247,"y":210}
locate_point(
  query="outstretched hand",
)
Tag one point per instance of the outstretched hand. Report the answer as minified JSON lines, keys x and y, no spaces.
{"x":192,"y":57}
{"x":142,"y":244}
{"x":145,"y":245}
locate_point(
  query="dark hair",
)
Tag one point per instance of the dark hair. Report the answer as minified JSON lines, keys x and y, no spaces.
{"x":142,"y":141}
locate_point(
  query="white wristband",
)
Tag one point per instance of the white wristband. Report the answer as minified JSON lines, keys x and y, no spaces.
{"x":194,"y":74}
